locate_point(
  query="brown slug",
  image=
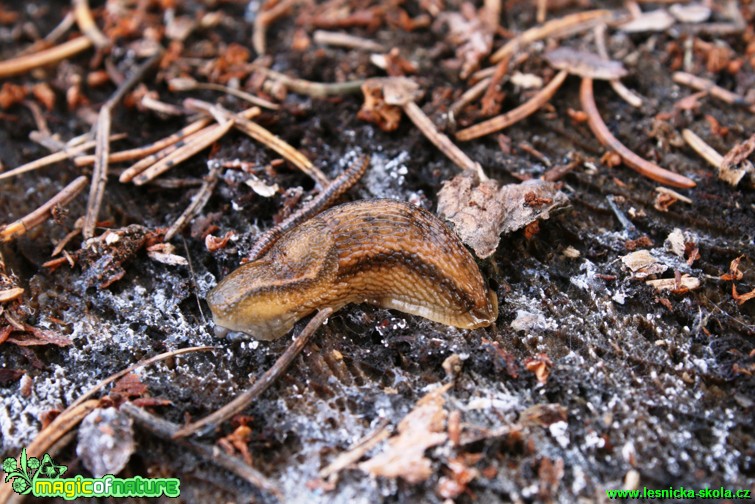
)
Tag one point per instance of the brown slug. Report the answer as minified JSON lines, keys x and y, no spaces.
{"x":384,"y":252}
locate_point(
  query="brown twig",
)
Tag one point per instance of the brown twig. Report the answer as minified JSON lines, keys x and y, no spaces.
{"x":309,"y":88}
{"x":198,"y":143}
{"x":146,"y":150}
{"x":713,"y":89}
{"x":85,"y":20}
{"x":559,"y":171}
{"x":556,"y":28}
{"x":632,"y":160}
{"x":355,"y":453}
{"x":469,"y":96}
{"x":264,"y":19}
{"x":188,"y":84}
{"x":338,"y":39}
{"x":323,"y":200}
{"x":38,"y":216}
{"x":268,"y":139}
{"x":441,"y":141}
{"x":167,"y":430}
{"x":268,"y":377}
{"x":488,"y":100}
{"x":28,"y":62}
{"x":183,"y":139}
{"x":157,"y":358}
{"x":102,"y":147}
{"x":54,"y":157}
{"x":51,"y":38}
{"x":197,"y":203}
{"x":702,"y":148}
{"x":624,"y":92}
{"x":526,"y":109}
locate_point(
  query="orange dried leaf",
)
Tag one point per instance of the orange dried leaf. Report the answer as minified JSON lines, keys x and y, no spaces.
{"x":10,"y":94}
{"x":734,"y":274}
{"x":44,"y":94}
{"x":741,"y":298}
{"x":540,"y":365}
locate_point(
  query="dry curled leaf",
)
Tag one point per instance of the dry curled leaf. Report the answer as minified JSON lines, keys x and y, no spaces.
{"x":33,"y":336}
{"x":106,"y":441}
{"x":470,"y":35}
{"x":735,"y":164}
{"x":460,"y":474}
{"x":541,"y":365}
{"x":130,"y":386}
{"x":734,"y":274}
{"x":741,"y":298}
{"x":550,"y":474}
{"x":11,"y":94}
{"x":238,"y":441}
{"x":643,"y":264}
{"x":482,"y":211}
{"x":421,"y":429}
{"x":214,"y":243}
{"x":376,"y":110}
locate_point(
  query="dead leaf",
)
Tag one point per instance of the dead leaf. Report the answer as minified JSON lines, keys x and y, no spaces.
{"x":10,"y":94}
{"x":550,"y":475}
{"x":238,"y":441}
{"x":38,"y":337}
{"x":735,"y":164}
{"x":10,"y":294}
{"x":375,"y":109}
{"x":421,"y":429}
{"x":741,"y":298}
{"x":214,"y":243}
{"x":734,"y":274}
{"x":261,"y":187}
{"x":8,"y":376}
{"x":541,"y":365}
{"x":643,"y":263}
{"x":44,"y":94}
{"x":678,"y":286}
{"x":106,"y":441}
{"x":460,"y":475}
{"x":129,"y":386}
{"x":675,"y":242}
{"x":481,"y":212}
{"x":470,"y":35}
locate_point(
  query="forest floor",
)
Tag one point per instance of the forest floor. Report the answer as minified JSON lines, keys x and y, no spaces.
{"x":624,"y":352}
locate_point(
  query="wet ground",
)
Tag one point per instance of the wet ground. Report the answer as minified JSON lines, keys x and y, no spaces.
{"x":589,"y":379}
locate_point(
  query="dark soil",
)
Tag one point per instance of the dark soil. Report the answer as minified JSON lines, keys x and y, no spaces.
{"x":642,"y":382}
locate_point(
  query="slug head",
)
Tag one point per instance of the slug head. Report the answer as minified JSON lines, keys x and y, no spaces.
{"x":264,"y":298}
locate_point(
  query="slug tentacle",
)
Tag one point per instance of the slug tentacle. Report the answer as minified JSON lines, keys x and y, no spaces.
{"x":382,"y":252}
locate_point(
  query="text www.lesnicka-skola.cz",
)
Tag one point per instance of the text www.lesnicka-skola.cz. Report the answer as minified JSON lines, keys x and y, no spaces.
{"x":680,"y":493}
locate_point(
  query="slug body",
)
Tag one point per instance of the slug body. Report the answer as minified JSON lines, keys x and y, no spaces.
{"x":384,"y":252}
